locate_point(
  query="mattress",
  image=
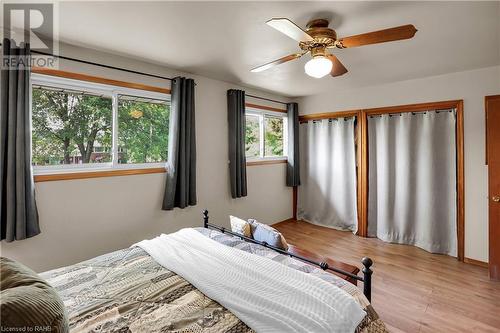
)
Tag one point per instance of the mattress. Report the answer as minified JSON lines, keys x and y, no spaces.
{"x":128,"y":291}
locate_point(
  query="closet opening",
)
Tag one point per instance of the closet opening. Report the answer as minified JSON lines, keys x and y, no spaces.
{"x":424,"y":137}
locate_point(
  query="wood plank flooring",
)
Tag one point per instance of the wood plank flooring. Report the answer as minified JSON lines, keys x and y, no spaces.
{"x":413,"y":290}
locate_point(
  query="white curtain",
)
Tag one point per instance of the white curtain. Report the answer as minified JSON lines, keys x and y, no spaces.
{"x":327,"y":194}
{"x":412,"y":180}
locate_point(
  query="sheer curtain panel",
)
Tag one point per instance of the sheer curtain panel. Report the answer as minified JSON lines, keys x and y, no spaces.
{"x":412,"y":180}
{"x":327,"y":194}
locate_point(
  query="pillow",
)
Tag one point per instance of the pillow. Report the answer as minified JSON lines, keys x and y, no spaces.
{"x":240,"y":226}
{"x":28,"y":302}
{"x":265,"y":233}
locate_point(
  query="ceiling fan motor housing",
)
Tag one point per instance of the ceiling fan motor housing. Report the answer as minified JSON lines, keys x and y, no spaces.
{"x":318,"y":51}
{"x":322,"y":35}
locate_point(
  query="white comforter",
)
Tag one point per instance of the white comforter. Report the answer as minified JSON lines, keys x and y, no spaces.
{"x":264,"y":294}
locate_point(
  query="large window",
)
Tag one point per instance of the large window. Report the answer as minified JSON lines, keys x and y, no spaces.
{"x":82,"y":125}
{"x":266,"y":134}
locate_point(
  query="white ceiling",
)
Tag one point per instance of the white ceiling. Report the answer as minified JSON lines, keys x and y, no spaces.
{"x":224,"y":40}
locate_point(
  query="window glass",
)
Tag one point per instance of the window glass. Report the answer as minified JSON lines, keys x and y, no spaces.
{"x":143,"y":126}
{"x":265,"y":135}
{"x":252,"y":136}
{"x":70,"y":127}
{"x":273,"y":138}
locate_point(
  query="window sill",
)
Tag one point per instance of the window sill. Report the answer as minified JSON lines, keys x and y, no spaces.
{"x":266,"y":161}
{"x":125,"y":172}
{"x":95,"y":174}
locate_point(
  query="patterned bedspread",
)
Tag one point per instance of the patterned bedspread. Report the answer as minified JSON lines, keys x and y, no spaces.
{"x":127,"y":291}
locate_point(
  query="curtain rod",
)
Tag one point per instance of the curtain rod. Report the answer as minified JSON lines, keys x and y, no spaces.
{"x":304,"y":121}
{"x":266,"y":99}
{"x":101,"y":65}
{"x":413,"y":113}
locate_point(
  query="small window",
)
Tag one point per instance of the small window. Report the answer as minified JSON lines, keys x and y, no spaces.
{"x":79,"y":125}
{"x":265,"y":136}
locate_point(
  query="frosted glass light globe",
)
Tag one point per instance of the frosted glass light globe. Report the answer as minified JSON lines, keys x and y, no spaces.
{"x":318,"y":67}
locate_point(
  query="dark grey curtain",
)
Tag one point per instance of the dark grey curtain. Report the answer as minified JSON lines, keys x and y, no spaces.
{"x":18,"y":211}
{"x":293,"y":165}
{"x":180,"y":187}
{"x":237,"y":159}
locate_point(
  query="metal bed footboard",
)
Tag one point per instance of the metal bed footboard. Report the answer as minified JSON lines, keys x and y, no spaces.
{"x":367,"y":262}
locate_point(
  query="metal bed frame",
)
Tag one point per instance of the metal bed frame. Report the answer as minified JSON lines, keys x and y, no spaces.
{"x":367,"y":262}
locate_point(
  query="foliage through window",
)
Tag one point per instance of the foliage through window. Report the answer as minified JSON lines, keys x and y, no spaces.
{"x":78,"y":124}
{"x":265,"y":135}
{"x":273,"y":142}
{"x":252,"y":136}
{"x":70,"y":127}
{"x":142,"y":130}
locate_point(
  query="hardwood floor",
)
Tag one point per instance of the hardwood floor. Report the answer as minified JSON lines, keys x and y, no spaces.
{"x":413,"y":290}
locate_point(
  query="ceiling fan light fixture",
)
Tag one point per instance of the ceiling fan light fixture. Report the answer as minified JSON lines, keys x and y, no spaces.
{"x":318,"y":67}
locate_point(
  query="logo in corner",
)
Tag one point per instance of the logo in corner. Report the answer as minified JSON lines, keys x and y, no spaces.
{"x":33,"y":24}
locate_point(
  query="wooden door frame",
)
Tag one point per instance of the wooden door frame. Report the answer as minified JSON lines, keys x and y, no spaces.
{"x":362,"y":155}
{"x":486,"y":99}
{"x":490,"y":225}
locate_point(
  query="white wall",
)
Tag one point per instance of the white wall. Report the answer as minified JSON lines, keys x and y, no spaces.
{"x":471,"y":86}
{"x":81,"y":219}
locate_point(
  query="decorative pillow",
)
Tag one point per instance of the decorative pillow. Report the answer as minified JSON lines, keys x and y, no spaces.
{"x":240,"y":226}
{"x":28,"y":302}
{"x":265,"y":233}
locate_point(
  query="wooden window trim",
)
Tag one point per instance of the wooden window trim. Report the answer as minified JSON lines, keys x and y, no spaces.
{"x":97,"y":79}
{"x":124,"y":172}
{"x":96,"y":174}
{"x":362,"y":140}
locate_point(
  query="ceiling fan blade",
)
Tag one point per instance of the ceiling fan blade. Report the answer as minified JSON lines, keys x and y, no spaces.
{"x":279,"y":61}
{"x":338,"y":68}
{"x":290,"y":29}
{"x":381,"y":36}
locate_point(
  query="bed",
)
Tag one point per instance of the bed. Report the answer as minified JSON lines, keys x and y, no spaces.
{"x":129,"y":291}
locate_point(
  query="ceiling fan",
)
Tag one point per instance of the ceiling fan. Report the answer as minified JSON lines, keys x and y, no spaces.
{"x":318,"y":38}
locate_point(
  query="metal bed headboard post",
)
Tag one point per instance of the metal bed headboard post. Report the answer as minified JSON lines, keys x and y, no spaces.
{"x":205,"y":218}
{"x":367,"y":277}
{"x":367,"y":262}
